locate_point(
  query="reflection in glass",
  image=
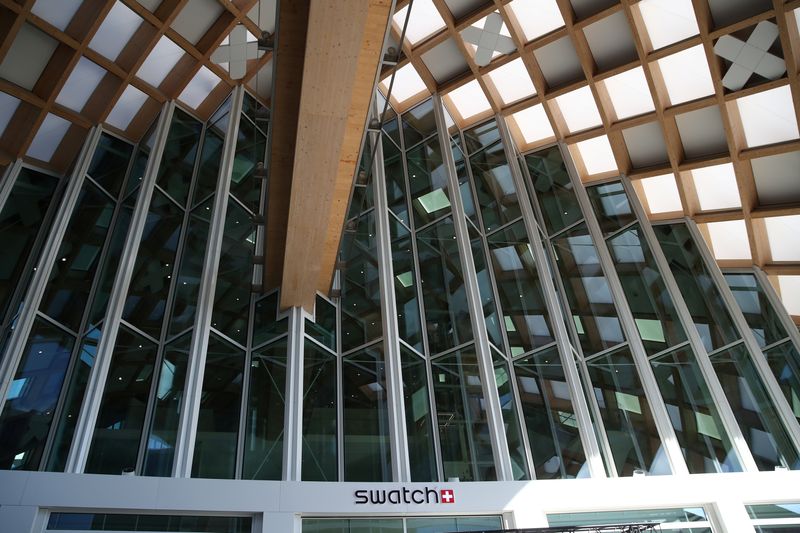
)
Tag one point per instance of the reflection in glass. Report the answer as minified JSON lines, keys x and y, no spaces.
{"x":353,"y":525}
{"x":367,"y":454}
{"x":784,"y":361}
{"x":405,"y":285}
{"x":508,"y":406}
{"x":263,"y":442}
{"x":32,"y":397}
{"x":251,"y":145}
{"x":629,"y":425}
{"x":220,"y":408}
{"x":553,"y":189}
{"x":756,"y":308}
{"x":361,"y":297}
{"x":208,"y":166}
{"x":117,"y":433}
{"x":266,"y":325}
{"x":431,"y":524}
{"x":463,"y":429}
{"x":610,"y":204}
{"x":137,"y":522}
{"x":549,"y":416}
{"x":324,"y":328}
{"x":490,"y":313}
{"x":112,"y":258}
{"x":319,"y":414}
{"x":110,"y":162}
{"x":706,"y":445}
{"x":657,"y":516}
{"x":464,"y":184}
{"x":494,"y":185}
{"x":180,"y":152}
{"x":190,"y":269}
{"x":418,"y":123}
{"x":418,"y":417}
{"x":395,"y":181}
{"x":427,"y":178}
{"x":754,"y":410}
{"x":481,"y":136}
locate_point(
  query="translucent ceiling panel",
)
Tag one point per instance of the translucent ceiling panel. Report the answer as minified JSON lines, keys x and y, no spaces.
{"x":512,"y":81}
{"x":116,"y":30}
{"x":533,"y":124}
{"x":49,"y":136}
{"x":424,"y":21}
{"x":537,"y":18}
{"x":789,"y":287}
{"x":784,"y":237}
{"x":729,"y":240}
{"x":662,"y":194}
{"x":80,"y":85}
{"x":29,"y":54}
{"x":668,"y":21}
{"x":59,"y":13}
{"x":199,"y":88}
{"x":579,"y":110}
{"x":629,"y":93}
{"x":686,"y":75}
{"x":716,"y":187}
{"x":768,"y":117}
{"x":196,"y":18}
{"x":596,"y":155}
{"x":126,"y":108}
{"x":8,"y":106}
{"x":469,"y":100}
{"x":407,"y":84}
{"x":160,"y":62}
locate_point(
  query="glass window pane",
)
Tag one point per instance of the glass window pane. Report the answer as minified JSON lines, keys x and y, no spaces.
{"x":396,"y":194}
{"x":611,"y":206}
{"x":419,"y":123}
{"x":481,"y":136}
{"x":324,"y":329}
{"x":110,"y":162}
{"x":453,"y":524}
{"x":115,"y":444}
{"x":319,"y":415}
{"x":190,"y":269}
{"x":629,"y":425}
{"x":778,"y":510}
{"x":553,"y":189}
{"x":33,"y":395}
{"x":367,"y":454}
{"x":784,"y":361}
{"x":443,"y":292}
{"x":357,"y":525}
{"x":180,"y":152}
{"x":390,"y":125}
{"x":550,"y":417}
{"x":208,"y":166}
{"x":251,"y":145}
{"x":405,"y":285}
{"x":489,"y":307}
{"x":705,"y":443}
{"x":112,"y":258}
{"x":418,"y":416}
{"x":220,"y":410}
{"x":427,"y":178}
{"x":687,"y":515}
{"x":465,"y":184}
{"x":494,"y":185}
{"x":133,"y":522}
{"x":265,"y":324}
{"x":463,"y":429}
{"x":508,"y":405}
{"x":263,"y":442}
{"x":760,"y":315}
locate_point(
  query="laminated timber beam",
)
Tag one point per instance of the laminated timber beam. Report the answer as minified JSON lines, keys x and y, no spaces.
{"x":342,"y":54}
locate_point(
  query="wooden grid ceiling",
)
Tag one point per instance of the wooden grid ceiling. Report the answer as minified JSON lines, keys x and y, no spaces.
{"x":67,"y":65}
{"x":636,"y":87}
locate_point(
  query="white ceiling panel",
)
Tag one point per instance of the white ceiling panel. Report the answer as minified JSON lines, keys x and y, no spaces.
{"x":29,"y":54}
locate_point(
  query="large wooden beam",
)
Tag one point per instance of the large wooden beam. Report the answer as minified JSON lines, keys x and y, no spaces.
{"x":343,"y":48}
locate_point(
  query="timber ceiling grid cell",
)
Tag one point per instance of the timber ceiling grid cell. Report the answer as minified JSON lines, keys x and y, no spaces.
{"x":67,"y":65}
{"x":697,"y":101}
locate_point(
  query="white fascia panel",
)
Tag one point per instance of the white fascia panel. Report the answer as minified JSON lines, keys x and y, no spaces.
{"x":790,"y":293}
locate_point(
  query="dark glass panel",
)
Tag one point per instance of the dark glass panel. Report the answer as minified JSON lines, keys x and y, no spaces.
{"x":481,"y":136}
{"x":553,"y":189}
{"x":180,"y":152}
{"x":219,"y":120}
{"x":362,"y":199}
{"x":266,"y":325}
{"x":705,"y":303}
{"x":251,"y":146}
{"x":758,"y":419}
{"x":21,"y":220}
{"x":208,"y":166}
{"x":319,"y":415}
{"x":118,"y":431}
{"x":464,"y":185}
{"x":629,"y":424}
{"x":460,"y":407}
{"x":163,"y":434}
{"x":488,"y":305}
{"x":111,"y":263}
{"x":431,"y":524}
{"x":232,"y":295}
{"x":421,"y":454}
{"x":508,"y":405}
{"x":110,"y":162}
{"x":427,"y":178}
{"x":396,"y":193}
{"x":220,"y":411}
{"x":367,"y":454}
{"x":611,"y":206}
{"x":33,"y":395}
{"x":759,"y":313}
{"x":133,"y":522}
{"x":324,"y":329}
{"x":79,"y":254}
{"x":494,"y":185}
{"x":784,"y":361}
{"x":656,"y":516}
{"x":354,"y":525}
{"x":405,"y":285}
{"x":769,"y":510}
{"x":655,"y":315}
{"x":147,"y":294}
{"x":525,"y":315}
{"x":391,"y":126}
{"x":419,"y":123}
{"x":263,"y":442}
{"x":137,"y":170}
{"x":360,"y":302}
{"x":190,"y":269}
{"x":550,"y":417}
{"x":706,"y":445}
{"x":446,"y":308}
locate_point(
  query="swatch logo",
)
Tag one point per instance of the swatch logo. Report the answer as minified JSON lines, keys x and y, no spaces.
{"x":408,"y":496}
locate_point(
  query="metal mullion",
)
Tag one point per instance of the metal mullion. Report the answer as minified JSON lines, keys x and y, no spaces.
{"x":169,"y":197}
{"x":9,"y":179}
{"x":103,"y":191}
{"x":55,"y":323}
{"x":535,"y":351}
{"x":339,"y":414}
{"x":785,"y":340}
{"x":756,"y":355}
{"x":333,"y":353}
{"x":669,"y":350}
{"x":405,"y":345}
{"x":778,"y":307}
{"x":522,"y":426}
{"x":396,"y":219}
{"x":418,"y":143}
{"x":564,"y":230}
{"x":497,"y":434}
{"x":726,"y":347}
{"x":588,"y":438}
{"x":246,"y":374}
{"x":47,"y":257}
{"x":496,"y":295}
{"x":451,"y":351}
{"x":294,"y":394}
{"x":233,"y":197}
{"x":621,"y":230}
{"x":435,"y":221}
{"x":718,"y":395}
{"x":607,"y":351}
{"x":267,"y":343}
{"x":181,"y":333}
{"x":503,"y":227}
{"x":137,"y":331}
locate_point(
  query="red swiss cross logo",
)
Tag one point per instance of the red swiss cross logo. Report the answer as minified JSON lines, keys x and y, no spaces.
{"x":446,"y":496}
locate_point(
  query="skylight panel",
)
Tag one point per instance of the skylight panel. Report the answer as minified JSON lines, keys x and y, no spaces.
{"x":28,"y":56}
{"x":662,"y":194}
{"x":783,"y":234}
{"x":579,"y":110}
{"x":49,"y":136}
{"x":537,"y":18}
{"x":200,"y":87}
{"x":668,"y":21}
{"x":80,"y":85}
{"x":424,"y":21}
{"x":407,"y":84}
{"x":716,"y":187}
{"x":127,"y":107}
{"x":729,"y":240}
{"x":768,"y":117}
{"x":596,"y":155}
{"x":469,"y":100}
{"x":533,"y":124}
{"x":629,"y":93}
{"x":512,"y":81}
{"x":789,"y":286}
{"x":8,"y":106}
{"x":160,"y":62}
{"x":59,"y":13}
{"x":686,"y":75}
{"x":116,"y":30}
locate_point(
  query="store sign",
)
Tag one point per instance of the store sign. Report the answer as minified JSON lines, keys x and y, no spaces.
{"x":404,"y":495}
